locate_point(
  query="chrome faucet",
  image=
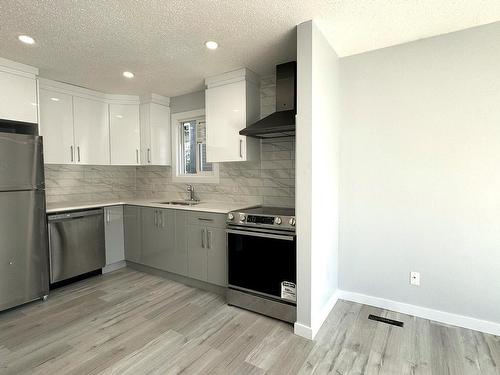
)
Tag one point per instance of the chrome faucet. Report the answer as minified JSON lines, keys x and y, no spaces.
{"x":192,"y":197}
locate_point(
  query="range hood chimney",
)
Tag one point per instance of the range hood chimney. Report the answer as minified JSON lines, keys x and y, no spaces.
{"x":282,"y":122}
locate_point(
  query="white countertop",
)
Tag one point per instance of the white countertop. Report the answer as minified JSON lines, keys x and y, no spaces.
{"x":203,"y":206}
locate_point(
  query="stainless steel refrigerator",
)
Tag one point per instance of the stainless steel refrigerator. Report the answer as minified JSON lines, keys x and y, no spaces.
{"x":23,"y":227}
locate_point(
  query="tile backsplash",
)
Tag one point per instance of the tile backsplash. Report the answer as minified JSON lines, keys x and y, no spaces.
{"x":270,"y":181}
{"x":89,"y":182}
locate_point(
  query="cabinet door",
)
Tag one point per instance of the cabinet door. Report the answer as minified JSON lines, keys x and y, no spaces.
{"x":113,"y":217}
{"x":173,"y":241}
{"x":150,"y":255}
{"x":124,"y":133}
{"x":159,"y":122}
{"x":18,"y":97}
{"x":225,"y":116}
{"x":144,"y":116}
{"x":56,"y":127}
{"x":132,"y":233}
{"x":197,"y":252}
{"x":216,"y":256}
{"x":166,"y":240}
{"x":179,"y":256}
{"x":91,"y":124}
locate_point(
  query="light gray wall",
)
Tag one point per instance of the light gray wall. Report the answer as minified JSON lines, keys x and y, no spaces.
{"x":317,"y":178}
{"x":187,"y":102}
{"x":420,"y":175}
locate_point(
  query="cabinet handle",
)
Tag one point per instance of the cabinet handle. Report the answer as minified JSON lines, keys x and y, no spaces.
{"x":209,"y":239}
{"x":78,"y":151}
{"x":72,"y":154}
{"x":203,"y":238}
{"x":241,"y":148}
{"x":108,"y":219}
{"x":204,"y":219}
{"x":156,"y":218}
{"x":137,"y":156}
{"x":149,"y":155}
{"x":162,"y":218}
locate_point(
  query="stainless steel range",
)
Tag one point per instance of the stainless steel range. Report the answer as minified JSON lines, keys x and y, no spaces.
{"x":262,"y":261}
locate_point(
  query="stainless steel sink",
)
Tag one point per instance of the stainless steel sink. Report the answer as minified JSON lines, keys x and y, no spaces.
{"x":181,"y":203}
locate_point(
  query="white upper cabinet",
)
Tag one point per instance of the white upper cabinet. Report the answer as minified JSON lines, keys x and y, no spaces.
{"x":232,"y":101}
{"x":18,"y":92}
{"x":56,"y":127}
{"x":155,"y":132}
{"x":124,"y":131}
{"x":91,"y":124}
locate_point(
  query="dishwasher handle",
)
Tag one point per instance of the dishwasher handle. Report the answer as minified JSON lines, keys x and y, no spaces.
{"x":74,"y":215}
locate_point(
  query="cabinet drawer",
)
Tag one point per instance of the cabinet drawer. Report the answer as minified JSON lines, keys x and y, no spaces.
{"x":207,"y":219}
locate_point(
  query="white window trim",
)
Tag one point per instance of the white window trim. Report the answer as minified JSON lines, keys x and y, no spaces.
{"x":177,"y":176}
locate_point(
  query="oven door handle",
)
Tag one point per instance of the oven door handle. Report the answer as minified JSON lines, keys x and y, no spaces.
{"x":259,"y":234}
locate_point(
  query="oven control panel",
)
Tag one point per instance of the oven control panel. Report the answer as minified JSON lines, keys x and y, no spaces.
{"x":254,"y":219}
{"x":269,"y":221}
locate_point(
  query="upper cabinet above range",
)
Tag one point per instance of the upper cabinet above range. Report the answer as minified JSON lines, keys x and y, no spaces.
{"x":18,"y":92}
{"x":232,"y":100}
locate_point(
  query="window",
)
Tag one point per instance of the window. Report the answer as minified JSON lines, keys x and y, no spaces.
{"x":193,"y":147}
{"x":189,"y":135}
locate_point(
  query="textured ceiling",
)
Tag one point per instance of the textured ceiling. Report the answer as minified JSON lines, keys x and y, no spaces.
{"x":89,"y":43}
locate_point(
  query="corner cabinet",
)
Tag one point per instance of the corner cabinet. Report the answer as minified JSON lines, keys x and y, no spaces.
{"x":18,"y":92}
{"x":81,"y":126}
{"x":232,"y":101}
{"x":124,"y":134}
{"x":156,"y":147}
{"x":156,"y":238}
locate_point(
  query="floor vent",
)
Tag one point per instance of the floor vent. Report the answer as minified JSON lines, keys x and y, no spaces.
{"x":385,"y":320}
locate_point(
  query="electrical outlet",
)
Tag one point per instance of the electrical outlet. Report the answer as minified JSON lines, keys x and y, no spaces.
{"x":415,"y":278}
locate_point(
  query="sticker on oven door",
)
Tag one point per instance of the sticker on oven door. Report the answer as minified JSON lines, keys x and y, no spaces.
{"x":288,"y":291}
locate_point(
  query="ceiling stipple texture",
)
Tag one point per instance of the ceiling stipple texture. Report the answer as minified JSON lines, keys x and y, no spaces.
{"x":90,"y":43}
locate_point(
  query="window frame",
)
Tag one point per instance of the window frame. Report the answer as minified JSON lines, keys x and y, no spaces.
{"x":177,"y":173}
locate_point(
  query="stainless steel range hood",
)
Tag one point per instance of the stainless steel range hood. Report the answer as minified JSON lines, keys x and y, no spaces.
{"x":282,"y":122}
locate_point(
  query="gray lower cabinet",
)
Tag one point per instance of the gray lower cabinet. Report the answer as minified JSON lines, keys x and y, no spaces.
{"x":113,"y":230}
{"x":132,"y":233}
{"x":156,"y":238}
{"x":197,"y":253}
{"x":207,"y":258}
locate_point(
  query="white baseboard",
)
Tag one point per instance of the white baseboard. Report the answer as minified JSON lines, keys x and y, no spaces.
{"x":114,"y":266}
{"x":310,"y":332}
{"x":423,"y":312}
{"x":318,"y":322}
{"x":303,"y":331}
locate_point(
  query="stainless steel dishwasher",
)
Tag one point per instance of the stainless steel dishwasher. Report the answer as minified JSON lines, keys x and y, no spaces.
{"x":76,"y":243}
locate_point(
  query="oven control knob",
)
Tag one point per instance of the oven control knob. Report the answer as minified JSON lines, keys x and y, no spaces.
{"x":230,"y":216}
{"x":242,"y":217}
{"x":292,"y":221}
{"x":277,"y":220}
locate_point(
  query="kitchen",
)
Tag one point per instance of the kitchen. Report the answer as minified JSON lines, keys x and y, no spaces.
{"x":162,"y":215}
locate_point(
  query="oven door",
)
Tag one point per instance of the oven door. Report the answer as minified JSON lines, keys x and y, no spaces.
{"x":263,"y":262}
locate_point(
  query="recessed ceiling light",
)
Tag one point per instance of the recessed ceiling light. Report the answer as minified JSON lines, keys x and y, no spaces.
{"x":128,"y":74}
{"x":26,"y":39}
{"x":54,"y":99}
{"x":211,"y":44}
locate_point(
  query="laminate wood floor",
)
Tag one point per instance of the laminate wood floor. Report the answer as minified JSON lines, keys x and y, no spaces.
{"x":128,"y":322}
